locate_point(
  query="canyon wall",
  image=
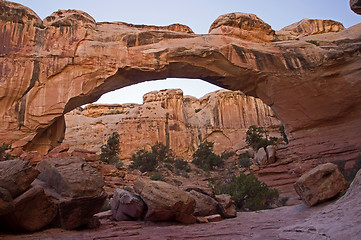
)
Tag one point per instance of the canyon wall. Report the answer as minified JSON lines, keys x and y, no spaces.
{"x":311,"y":81}
{"x":180,"y":122}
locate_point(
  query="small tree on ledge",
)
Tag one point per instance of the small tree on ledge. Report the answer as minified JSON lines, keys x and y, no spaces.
{"x":110,"y":150}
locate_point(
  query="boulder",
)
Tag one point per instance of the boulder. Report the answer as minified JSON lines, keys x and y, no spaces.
{"x":214,"y":218}
{"x":165,"y":202}
{"x":33,"y":211}
{"x":356,"y":6}
{"x":16,"y":176}
{"x":320,"y":184}
{"x":75,"y":187}
{"x":243,"y":25}
{"x":271,"y":153}
{"x":6,"y":201}
{"x":201,"y":189}
{"x":126,"y":206}
{"x":226,"y":206}
{"x":261,"y":157}
{"x":205,"y":205}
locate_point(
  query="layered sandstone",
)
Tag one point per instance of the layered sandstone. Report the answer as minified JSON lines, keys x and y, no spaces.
{"x":179,"y":122}
{"x":50,"y":67}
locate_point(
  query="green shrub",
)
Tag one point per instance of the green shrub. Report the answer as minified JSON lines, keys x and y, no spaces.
{"x":146,"y":161}
{"x":157,"y":177}
{"x":110,"y":150}
{"x":198,"y":110}
{"x":3,"y":154}
{"x":244,"y":162}
{"x":182,"y":165}
{"x":247,"y":192}
{"x":226,"y":154}
{"x":254,"y":138}
{"x":283,"y":134}
{"x":204,"y":157}
{"x":313,"y":42}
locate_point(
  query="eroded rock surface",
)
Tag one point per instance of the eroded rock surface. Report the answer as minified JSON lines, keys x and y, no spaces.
{"x":180,"y":122}
{"x":320,"y":184}
{"x":356,"y":6}
{"x":50,"y":70}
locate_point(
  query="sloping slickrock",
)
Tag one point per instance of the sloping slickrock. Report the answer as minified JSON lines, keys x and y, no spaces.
{"x":165,"y":202}
{"x":205,"y":205}
{"x":16,"y":176}
{"x":76,"y":188}
{"x":320,"y":184}
{"x":126,"y":206}
{"x":340,"y":220}
{"x":33,"y":211}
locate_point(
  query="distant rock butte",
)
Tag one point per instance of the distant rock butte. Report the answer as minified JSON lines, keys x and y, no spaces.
{"x":166,"y":116}
{"x":50,"y":67}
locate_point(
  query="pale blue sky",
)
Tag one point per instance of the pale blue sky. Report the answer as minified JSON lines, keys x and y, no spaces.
{"x":198,"y":15}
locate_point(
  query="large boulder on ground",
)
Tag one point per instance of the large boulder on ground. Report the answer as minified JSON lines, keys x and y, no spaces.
{"x":6,"y":201}
{"x":16,"y":176}
{"x":75,"y":187}
{"x":226,"y":206}
{"x":243,"y":25}
{"x":33,"y":211}
{"x":356,"y":6}
{"x":165,"y":202}
{"x":205,"y":205}
{"x":320,"y":184}
{"x":126,"y":206}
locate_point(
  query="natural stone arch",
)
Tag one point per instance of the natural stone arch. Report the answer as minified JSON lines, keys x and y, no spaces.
{"x":67,"y":60}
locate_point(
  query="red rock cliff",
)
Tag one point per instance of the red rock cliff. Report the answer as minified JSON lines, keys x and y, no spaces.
{"x":180,"y":122}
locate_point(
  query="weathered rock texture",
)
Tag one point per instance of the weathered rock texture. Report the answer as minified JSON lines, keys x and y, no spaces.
{"x":307,"y":27}
{"x":320,"y":184}
{"x":356,"y":6}
{"x":51,"y":67}
{"x":63,"y":193}
{"x":180,"y":122}
{"x":165,"y":202}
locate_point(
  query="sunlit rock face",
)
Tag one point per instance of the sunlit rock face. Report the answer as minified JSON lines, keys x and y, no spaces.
{"x":180,"y":122}
{"x":50,"y":67}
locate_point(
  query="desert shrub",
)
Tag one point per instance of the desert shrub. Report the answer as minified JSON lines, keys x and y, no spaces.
{"x":3,"y":154}
{"x":254,"y":138}
{"x":226,"y":154}
{"x":349,"y":174}
{"x":157,"y":177}
{"x":247,"y":192}
{"x":313,"y":42}
{"x":182,"y":165}
{"x":198,"y":110}
{"x":283,"y":134}
{"x":244,"y":162}
{"x":146,"y":161}
{"x":110,"y":150}
{"x":205,"y":158}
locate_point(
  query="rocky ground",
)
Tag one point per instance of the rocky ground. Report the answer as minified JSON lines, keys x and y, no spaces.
{"x":267,"y":224}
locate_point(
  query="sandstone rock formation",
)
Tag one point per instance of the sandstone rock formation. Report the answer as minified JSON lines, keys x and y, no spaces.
{"x":205,"y":205}
{"x":356,"y":6}
{"x":49,"y":69}
{"x":179,"y":122}
{"x":226,"y":206}
{"x":320,"y":184}
{"x":165,"y":202}
{"x":60,"y":192}
{"x":126,"y":206}
{"x":244,"y":26}
{"x":307,"y":27}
